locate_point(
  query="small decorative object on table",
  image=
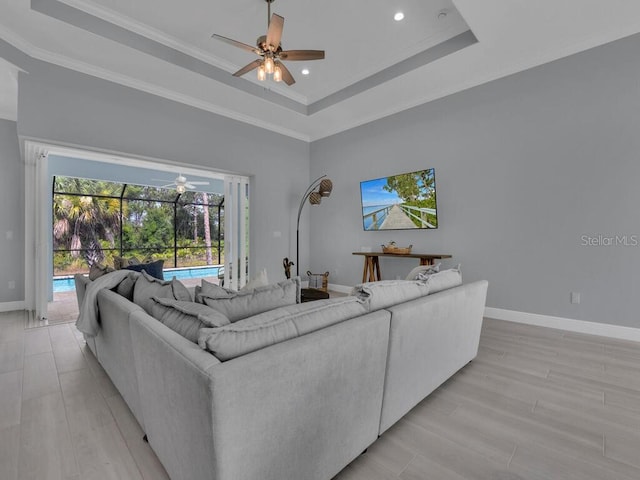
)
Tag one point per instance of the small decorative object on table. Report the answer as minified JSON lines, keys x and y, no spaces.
{"x":392,"y":248}
{"x":318,"y":281}
{"x":287,"y":264}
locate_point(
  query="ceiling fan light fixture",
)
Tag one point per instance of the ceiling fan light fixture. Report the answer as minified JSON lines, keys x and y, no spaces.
{"x":269,"y":65}
{"x":262,"y":74}
{"x":277,"y":73}
{"x":399,"y":16}
{"x":305,"y":71}
{"x":181,"y":189}
{"x":269,"y":49}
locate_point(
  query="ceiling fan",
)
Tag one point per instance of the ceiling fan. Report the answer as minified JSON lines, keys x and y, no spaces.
{"x":269,"y":48}
{"x":181,"y":184}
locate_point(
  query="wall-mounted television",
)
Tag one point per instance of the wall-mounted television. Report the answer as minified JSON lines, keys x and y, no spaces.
{"x":400,"y":202}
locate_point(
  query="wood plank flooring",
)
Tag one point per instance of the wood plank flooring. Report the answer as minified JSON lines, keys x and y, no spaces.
{"x":536,"y":404}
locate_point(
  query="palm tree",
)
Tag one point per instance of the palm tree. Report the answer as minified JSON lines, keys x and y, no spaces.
{"x":81,"y":223}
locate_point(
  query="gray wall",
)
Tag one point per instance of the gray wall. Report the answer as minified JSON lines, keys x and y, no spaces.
{"x":11,"y":214}
{"x":59,"y":105}
{"x":525,"y":166}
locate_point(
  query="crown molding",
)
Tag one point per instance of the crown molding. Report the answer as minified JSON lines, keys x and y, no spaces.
{"x":88,"y":69}
{"x":543,"y":58}
{"x":115,"y":18}
{"x":8,"y":115}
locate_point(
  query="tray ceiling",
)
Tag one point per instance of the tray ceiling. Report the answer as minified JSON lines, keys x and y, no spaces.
{"x":375,"y":66}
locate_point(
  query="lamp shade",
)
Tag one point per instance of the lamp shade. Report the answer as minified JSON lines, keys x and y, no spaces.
{"x":326,"y":186}
{"x":315,"y":198}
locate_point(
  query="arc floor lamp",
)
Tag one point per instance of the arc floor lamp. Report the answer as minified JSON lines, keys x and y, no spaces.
{"x":324,"y":187}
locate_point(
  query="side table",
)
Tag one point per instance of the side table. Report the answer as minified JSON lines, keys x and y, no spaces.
{"x":311,"y":294}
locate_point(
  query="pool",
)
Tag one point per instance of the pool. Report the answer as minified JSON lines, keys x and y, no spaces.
{"x":67,"y":284}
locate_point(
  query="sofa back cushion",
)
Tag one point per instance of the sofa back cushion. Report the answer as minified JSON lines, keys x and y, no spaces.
{"x":147,"y":287}
{"x":377,"y":295}
{"x":275,"y":326}
{"x":238,"y":305}
{"x":186,"y":318}
{"x":444,"y":280}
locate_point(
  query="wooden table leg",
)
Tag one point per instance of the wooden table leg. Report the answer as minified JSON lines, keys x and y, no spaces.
{"x":371,"y":264}
{"x":365,"y":271}
{"x":376,"y":264}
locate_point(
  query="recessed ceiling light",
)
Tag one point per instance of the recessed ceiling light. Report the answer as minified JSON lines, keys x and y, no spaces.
{"x":305,"y":71}
{"x":398,"y":16}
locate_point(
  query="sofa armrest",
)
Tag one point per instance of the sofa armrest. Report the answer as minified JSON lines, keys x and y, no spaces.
{"x":303,"y":408}
{"x":175,"y":388}
{"x":430,"y":339}
{"x":81,"y":281}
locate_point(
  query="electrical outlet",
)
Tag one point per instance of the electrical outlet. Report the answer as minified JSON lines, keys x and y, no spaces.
{"x":575,"y":297}
{"x":12,"y":284}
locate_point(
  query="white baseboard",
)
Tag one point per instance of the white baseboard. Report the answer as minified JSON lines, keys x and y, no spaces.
{"x":561,"y":323}
{"x":11,"y":306}
{"x":340,"y":288}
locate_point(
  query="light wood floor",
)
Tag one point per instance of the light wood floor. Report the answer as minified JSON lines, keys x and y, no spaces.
{"x":535,"y":404}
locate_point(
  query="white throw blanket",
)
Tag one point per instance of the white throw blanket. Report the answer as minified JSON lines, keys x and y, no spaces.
{"x":88,"y":319}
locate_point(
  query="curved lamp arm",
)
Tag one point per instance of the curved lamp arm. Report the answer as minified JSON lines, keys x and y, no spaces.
{"x":308,"y":192}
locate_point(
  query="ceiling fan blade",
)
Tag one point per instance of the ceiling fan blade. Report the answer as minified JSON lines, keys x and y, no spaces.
{"x":199,"y":183}
{"x":286,"y":75}
{"x":235,"y":43}
{"x":295,"y":55}
{"x":189,"y":186}
{"x":274,"y":34}
{"x":169,"y":185}
{"x":247,"y":68}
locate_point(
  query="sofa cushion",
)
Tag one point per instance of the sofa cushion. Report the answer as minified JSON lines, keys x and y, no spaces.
{"x":186,"y":318}
{"x":126,"y":286}
{"x":211,"y":290}
{"x":154,"y":268}
{"x":422,"y":272}
{"x":147,"y":287}
{"x":444,"y":280}
{"x":97,"y":270}
{"x":377,"y":295}
{"x":238,"y":305}
{"x":275,"y":326}
{"x":121,"y":262}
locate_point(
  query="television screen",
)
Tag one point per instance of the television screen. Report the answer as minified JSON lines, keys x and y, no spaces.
{"x":400,"y":202}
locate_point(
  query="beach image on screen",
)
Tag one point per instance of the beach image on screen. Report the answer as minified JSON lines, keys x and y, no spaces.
{"x":400,"y":202}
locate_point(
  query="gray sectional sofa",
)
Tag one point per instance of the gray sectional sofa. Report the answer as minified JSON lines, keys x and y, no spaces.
{"x":302,"y":408}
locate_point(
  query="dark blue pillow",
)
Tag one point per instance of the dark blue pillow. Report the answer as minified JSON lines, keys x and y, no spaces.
{"x":154,"y":268}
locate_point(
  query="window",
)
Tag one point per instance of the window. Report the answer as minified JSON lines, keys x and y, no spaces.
{"x":94,"y":220}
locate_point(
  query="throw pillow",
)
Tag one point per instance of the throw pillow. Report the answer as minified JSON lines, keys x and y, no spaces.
{"x":276,"y":326}
{"x":211,"y":290}
{"x":186,"y":318}
{"x":97,"y":270}
{"x":154,"y":268}
{"x":377,"y":295}
{"x":444,"y":280}
{"x":121,"y":262}
{"x":147,"y":287}
{"x":423,"y":271}
{"x":125,"y":287}
{"x":260,"y":280}
{"x":261,"y":299}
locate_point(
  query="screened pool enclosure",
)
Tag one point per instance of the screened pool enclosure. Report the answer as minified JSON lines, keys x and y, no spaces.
{"x":95,"y":220}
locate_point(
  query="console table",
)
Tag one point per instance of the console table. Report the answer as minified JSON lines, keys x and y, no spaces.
{"x":371,"y":272}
